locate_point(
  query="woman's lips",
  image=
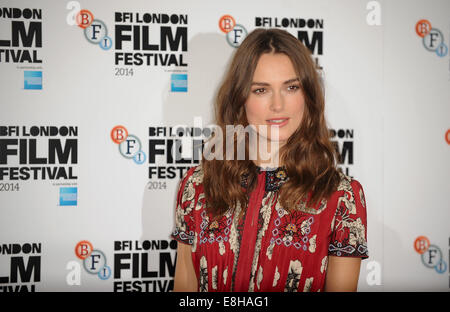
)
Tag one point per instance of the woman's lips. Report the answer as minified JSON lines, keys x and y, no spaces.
{"x":279,"y":122}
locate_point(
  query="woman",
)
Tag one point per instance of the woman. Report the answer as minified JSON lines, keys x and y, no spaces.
{"x":293,"y":222}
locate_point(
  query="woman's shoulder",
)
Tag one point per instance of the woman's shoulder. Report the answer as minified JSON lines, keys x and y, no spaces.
{"x":193,"y":175}
{"x":189,"y":204}
{"x":348,"y":184}
{"x":350,"y":191}
{"x":190,"y":190}
{"x":191,"y":183}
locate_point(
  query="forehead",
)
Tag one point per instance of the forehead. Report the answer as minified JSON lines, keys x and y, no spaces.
{"x":274,"y":67}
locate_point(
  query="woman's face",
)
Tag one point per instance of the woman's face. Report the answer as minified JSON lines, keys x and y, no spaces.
{"x":276,"y":98}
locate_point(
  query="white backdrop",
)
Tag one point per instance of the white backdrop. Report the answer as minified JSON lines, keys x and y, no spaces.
{"x":387,"y":91}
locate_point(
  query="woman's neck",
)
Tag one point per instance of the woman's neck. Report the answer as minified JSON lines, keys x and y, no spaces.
{"x":269,"y":156}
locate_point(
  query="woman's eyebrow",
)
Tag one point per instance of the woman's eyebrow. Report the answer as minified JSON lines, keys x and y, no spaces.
{"x":260,"y":83}
{"x":257,"y":83}
{"x":296,"y":79}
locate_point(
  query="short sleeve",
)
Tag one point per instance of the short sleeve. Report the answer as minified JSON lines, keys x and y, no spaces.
{"x":349,"y":226}
{"x":184,"y":210}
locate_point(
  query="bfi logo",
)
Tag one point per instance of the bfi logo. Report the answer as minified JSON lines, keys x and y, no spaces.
{"x":235,"y":33}
{"x":95,"y":30}
{"x":432,"y":38}
{"x":431,"y":255}
{"x":130,"y":147}
{"x":94,"y":262}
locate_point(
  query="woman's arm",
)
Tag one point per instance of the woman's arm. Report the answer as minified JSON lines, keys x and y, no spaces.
{"x":342,"y":273}
{"x":185,"y":278}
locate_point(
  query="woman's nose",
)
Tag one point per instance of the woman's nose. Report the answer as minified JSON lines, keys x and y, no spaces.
{"x":277,"y":100}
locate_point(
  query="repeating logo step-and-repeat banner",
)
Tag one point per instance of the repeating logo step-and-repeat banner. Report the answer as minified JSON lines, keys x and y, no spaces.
{"x":105,"y":105}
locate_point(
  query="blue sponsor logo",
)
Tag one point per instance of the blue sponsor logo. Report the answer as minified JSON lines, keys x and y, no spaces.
{"x":32,"y":80}
{"x":178,"y":83}
{"x":68,"y":196}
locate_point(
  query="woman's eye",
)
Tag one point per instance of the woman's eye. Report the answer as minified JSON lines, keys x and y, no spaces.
{"x":293,"y":88}
{"x":259,"y":91}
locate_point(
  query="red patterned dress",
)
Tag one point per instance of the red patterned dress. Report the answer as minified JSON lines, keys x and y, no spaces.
{"x":269,"y":249}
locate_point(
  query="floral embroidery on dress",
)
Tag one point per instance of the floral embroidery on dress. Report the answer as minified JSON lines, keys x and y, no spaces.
{"x":291,"y":230}
{"x":274,"y":178}
{"x":183,"y":217}
{"x":349,"y":231}
{"x":214,"y":277}
{"x":276,"y":277}
{"x":225,"y":275}
{"x":302,"y":207}
{"x":312,"y":244}
{"x":203,"y":281}
{"x":308,"y":284}
{"x":216,"y":230}
{"x":235,"y":239}
{"x":197,"y":175}
{"x":294,"y":275}
{"x":361,"y":198}
{"x":323,"y":267}
{"x":259,"y":277}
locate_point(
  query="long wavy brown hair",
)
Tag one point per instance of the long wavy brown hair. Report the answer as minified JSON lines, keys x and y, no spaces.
{"x":308,"y":155}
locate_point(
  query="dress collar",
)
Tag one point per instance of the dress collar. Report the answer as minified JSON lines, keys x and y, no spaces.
{"x":275,"y":177}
